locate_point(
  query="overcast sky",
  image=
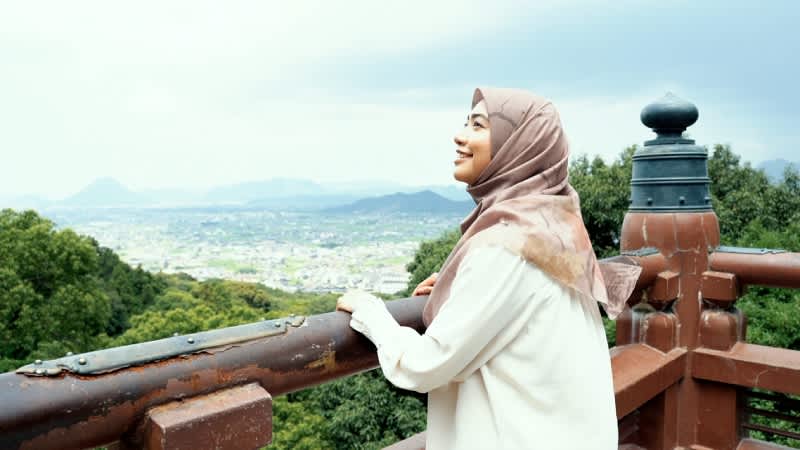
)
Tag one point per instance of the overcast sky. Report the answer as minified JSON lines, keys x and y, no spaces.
{"x":195,"y":94}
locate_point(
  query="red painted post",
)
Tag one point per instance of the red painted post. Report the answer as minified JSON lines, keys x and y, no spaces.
{"x":671,"y":213}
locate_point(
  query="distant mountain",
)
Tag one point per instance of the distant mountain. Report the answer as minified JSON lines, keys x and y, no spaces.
{"x":365,"y":188}
{"x":330,"y":195}
{"x":105,"y":192}
{"x":774,"y":168}
{"x":278,"y":194}
{"x":257,"y":190}
{"x":374,"y":188}
{"x":304,"y":202}
{"x":456,"y":193}
{"x":424,"y":201}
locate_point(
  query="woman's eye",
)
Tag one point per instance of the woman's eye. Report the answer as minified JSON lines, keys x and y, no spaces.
{"x":477,"y":125}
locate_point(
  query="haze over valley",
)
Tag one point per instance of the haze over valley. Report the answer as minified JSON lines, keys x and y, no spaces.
{"x":317,"y":241}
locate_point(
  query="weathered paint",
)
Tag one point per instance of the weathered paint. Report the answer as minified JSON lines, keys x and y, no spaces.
{"x":76,"y":411}
{"x":768,"y":269}
{"x":230,"y":419}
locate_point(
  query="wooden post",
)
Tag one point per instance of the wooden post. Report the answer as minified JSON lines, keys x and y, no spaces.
{"x":671,"y":213}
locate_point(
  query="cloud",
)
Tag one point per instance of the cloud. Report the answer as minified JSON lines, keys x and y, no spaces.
{"x":193,"y":94}
{"x":177,"y":92}
{"x":605,"y":125}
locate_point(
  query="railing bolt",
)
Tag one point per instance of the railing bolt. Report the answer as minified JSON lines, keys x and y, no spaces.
{"x":82,"y":361}
{"x":37,"y":362}
{"x":277,"y":325}
{"x":39,"y":371}
{"x":190,"y":340}
{"x":69,"y":353}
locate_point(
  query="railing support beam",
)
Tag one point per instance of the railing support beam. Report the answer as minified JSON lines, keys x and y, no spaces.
{"x":642,"y":372}
{"x":768,"y":269}
{"x":750,"y":365}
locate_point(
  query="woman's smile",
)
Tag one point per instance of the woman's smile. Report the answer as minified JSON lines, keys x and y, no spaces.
{"x":461,"y":156}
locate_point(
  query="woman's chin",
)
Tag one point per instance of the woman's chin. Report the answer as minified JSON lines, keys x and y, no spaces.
{"x":461,"y":173}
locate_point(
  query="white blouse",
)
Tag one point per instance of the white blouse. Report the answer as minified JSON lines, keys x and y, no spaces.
{"x":513,"y":360}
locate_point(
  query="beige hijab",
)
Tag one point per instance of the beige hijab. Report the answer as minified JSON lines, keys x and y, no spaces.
{"x":526,"y":204}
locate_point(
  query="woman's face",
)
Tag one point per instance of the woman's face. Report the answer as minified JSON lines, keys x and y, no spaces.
{"x":473,"y":145}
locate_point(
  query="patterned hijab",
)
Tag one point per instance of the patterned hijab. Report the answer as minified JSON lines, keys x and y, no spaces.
{"x":526,"y":204}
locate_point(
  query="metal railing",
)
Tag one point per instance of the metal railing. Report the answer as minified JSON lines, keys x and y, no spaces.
{"x":60,"y":405}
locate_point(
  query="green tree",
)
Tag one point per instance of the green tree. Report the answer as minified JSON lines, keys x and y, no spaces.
{"x":189,"y":307}
{"x":49,"y":292}
{"x":429,"y":258}
{"x":296,"y":426}
{"x":365,"y":411}
{"x":130,"y":290}
{"x":255,"y":295}
{"x":738,"y":191}
{"x":604,"y":190}
{"x":772,"y":317}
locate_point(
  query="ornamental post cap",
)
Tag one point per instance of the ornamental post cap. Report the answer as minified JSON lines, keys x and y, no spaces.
{"x":669,"y":116}
{"x":670,"y":172}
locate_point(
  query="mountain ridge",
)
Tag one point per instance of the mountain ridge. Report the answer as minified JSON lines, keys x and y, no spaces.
{"x":276,"y":193}
{"x":422,"y":201}
{"x":104,"y":192}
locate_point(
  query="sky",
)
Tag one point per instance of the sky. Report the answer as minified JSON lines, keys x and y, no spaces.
{"x":196,"y":94}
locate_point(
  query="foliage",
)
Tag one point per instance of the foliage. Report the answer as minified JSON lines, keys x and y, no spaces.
{"x":771,"y":313}
{"x":429,"y":258}
{"x":743,"y":195}
{"x":756,"y":213}
{"x":130,"y":290}
{"x":365,"y":411}
{"x":62,"y":292}
{"x":285,"y":303}
{"x":49,"y":291}
{"x":189,"y":306}
{"x":297,"y":426}
{"x":604,"y":192}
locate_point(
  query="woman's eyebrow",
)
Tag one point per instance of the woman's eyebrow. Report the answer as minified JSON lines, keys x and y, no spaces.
{"x":478,"y":115}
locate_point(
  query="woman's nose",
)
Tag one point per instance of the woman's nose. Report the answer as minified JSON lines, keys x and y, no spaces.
{"x":460,"y":140}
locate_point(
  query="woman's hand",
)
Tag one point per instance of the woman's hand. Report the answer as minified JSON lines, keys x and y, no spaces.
{"x":426,"y":286}
{"x":352,"y":300}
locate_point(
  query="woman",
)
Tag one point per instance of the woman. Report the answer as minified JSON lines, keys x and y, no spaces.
{"x":514,"y":355}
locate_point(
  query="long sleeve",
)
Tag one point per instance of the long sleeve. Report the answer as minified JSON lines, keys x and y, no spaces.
{"x":512,"y":350}
{"x":484,"y":300}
